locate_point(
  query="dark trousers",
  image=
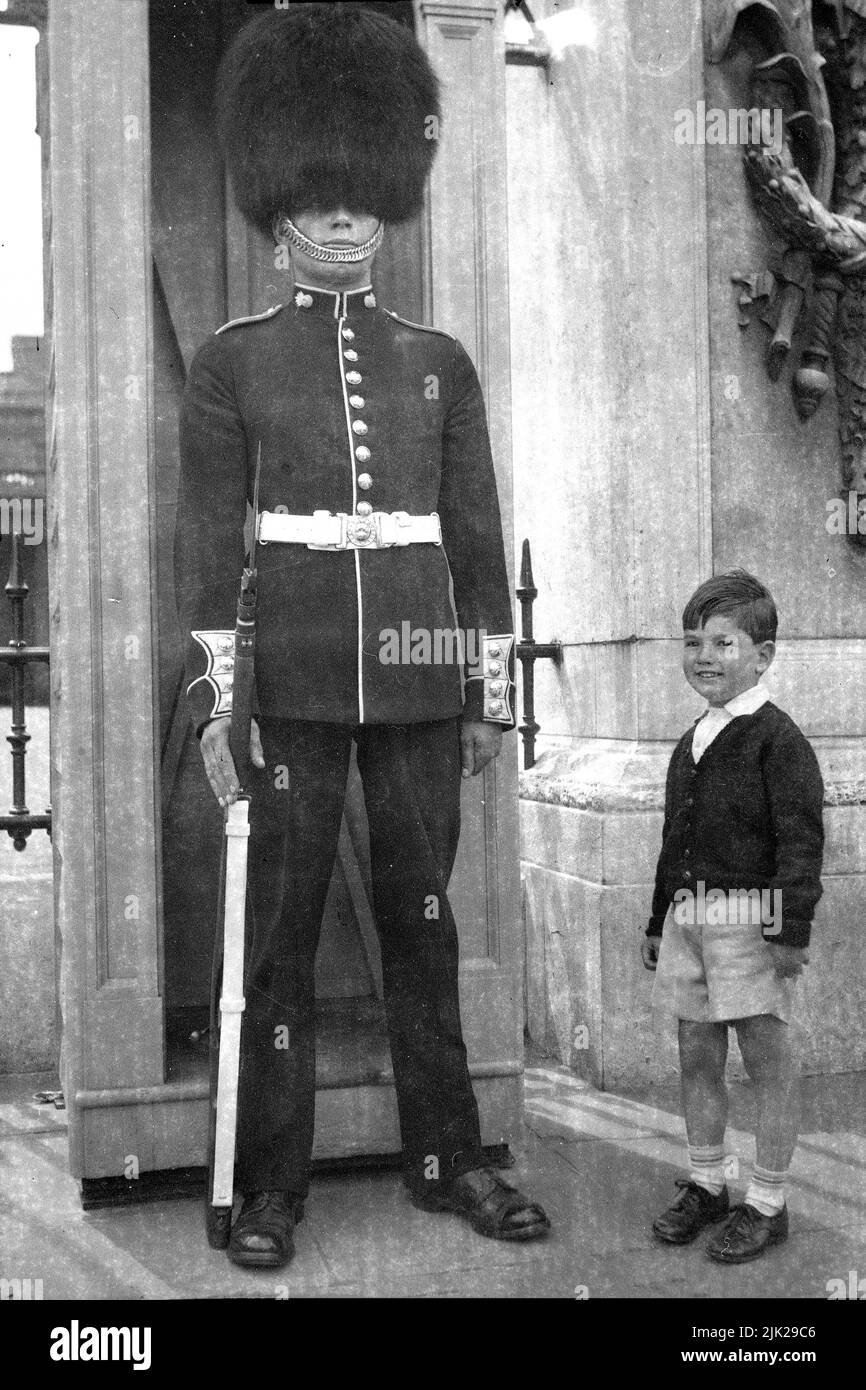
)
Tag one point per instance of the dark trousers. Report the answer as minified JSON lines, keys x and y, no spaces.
{"x":411,"y":779}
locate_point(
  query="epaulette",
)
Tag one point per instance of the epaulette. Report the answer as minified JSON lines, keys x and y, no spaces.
{"x":424,"y":327}
{"x":251,"y":318}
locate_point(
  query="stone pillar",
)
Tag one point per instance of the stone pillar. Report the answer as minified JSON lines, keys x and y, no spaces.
{"x":104,"y":770}
{"x":636,"y":478}
{"x":466,"y":293}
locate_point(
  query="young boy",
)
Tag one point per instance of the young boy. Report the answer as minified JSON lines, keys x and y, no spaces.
{"x":740,"y":868}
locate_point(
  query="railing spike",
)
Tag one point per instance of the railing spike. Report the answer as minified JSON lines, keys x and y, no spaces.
{"x":16,"y":584}
{"x":529,"y":651}
{"x":526,"y":579}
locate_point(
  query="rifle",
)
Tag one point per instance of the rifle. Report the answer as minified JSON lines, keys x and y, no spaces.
{"x":227,"y":977}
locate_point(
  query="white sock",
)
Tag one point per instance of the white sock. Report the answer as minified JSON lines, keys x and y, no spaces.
{"x":766,"y":1191}
{"x":707,"y":1167}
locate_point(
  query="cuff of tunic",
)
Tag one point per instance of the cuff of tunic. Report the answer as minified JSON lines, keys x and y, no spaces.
{"x":489,"y":690}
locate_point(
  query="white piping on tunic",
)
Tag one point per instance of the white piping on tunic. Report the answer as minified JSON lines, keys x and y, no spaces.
{"x":351,"y":439}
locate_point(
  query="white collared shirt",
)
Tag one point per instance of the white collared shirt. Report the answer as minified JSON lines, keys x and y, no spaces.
{"x":717,"y":717}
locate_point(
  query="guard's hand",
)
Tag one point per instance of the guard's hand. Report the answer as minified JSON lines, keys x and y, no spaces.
{"x":480,"y":743}
{"x":218,"y":761}
{"x":649,"y":951}
{"x":788,"y":961}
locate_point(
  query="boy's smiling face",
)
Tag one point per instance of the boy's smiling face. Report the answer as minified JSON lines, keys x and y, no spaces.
{"x":721,"y":661}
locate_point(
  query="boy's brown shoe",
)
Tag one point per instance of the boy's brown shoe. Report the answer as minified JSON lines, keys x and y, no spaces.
{"x":747,"y":1234}
{"x":692,"y":1210}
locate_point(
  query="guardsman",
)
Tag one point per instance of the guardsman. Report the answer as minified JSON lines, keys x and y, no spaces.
{"x":377,"y":501}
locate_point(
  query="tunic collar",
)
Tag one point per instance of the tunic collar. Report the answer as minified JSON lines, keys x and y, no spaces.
{"x":334,"y":304}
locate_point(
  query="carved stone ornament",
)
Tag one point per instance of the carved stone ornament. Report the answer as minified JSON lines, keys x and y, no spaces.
{"x":808,"y":60}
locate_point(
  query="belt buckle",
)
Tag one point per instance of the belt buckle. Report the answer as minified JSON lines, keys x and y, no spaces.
{"x":363,"y":531}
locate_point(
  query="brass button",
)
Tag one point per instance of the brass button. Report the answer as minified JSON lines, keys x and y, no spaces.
{"x":495,"y":668}
{"x":348,"y":334}
{"x":359,"y":427}
{"x":364,"y":508}
{"x":350,"y":355}
{"x":354,"y":378}
{"x":225,"y":644}
{"x":495,"y":707}
{"x":365,"y":481}
{"x":362,"y":454}
{"x":495,"y":650}
{"x":357,"y":402}
{"x":496,"y":688}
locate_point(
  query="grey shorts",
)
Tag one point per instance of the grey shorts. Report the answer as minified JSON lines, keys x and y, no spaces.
{"x":715,"y":974}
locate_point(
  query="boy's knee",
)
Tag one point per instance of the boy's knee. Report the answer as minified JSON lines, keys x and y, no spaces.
{"x":767,"y":1047}
{"x":703,"y":1048}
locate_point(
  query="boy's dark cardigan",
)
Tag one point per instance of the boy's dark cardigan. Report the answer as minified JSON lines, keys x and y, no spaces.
{"x":747,"y":815}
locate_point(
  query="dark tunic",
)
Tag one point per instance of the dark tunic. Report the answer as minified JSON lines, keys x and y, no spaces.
{"x":291,"y":381}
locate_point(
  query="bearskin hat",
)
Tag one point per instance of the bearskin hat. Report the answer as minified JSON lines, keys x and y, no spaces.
{"x":326,"y":105}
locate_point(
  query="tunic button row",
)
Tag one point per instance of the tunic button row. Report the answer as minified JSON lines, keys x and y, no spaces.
{"x":365,"y":481}
{"x":364,"y":509}
{"x":362,"y":453}
{"x":348,"y":334}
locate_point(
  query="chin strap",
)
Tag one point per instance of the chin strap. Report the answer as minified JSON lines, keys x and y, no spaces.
{"x":332,"y":255}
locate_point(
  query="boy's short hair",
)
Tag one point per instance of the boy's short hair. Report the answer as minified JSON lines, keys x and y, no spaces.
{"x":738,"y":595}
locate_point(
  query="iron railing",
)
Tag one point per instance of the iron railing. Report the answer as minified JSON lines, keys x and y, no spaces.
{"x":20,"y":821}
{"x":528,"y":652}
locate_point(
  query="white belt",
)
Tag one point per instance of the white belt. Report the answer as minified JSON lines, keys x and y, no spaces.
{"x":329,"y":531}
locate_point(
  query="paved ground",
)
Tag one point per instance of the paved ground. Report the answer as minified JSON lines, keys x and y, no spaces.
{"x":602,"y":1165}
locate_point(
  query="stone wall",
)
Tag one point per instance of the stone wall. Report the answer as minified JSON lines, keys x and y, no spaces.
{"x":650,"y":451}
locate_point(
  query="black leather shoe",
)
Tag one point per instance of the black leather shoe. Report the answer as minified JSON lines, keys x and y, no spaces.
{"x":747,"y":1234}
{"x":262,"y":1234}
{"x":492,"y":1207}
{"x":690,"y":1212}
